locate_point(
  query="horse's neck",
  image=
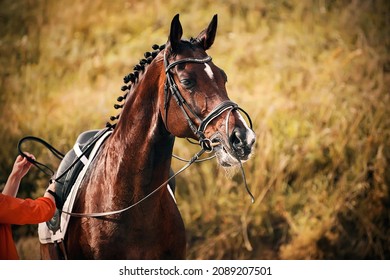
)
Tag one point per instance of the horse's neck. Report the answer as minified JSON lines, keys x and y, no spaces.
{"x":138,"y":154}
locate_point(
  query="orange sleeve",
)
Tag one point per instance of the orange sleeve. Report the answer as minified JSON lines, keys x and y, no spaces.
{"x":7,"y":246}
{"x":25,"y":211}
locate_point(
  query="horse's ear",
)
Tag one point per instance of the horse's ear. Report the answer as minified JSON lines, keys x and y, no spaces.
{"x":175,"y":33}
{"x":207,"y":36}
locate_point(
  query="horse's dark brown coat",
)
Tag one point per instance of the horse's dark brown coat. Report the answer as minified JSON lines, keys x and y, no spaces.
{"x":136,"y":159}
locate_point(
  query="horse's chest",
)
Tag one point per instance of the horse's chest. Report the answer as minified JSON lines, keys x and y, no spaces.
{"x":136,"y":238}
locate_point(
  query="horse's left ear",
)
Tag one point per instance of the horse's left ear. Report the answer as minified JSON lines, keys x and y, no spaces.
{"x":207,"y":36}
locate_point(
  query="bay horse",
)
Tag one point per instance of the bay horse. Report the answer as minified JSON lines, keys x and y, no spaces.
{"x":176,"y":91}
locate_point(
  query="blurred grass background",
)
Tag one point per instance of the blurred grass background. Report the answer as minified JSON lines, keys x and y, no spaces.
{"x":314,"y":76}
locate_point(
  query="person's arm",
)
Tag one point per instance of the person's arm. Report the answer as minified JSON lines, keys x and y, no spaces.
{"x":19,"y":211}
{"x":24,"y":211}
{"x":19,"y":170}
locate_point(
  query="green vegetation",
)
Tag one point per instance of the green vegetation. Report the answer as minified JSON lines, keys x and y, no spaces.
{"x":314,"y":75}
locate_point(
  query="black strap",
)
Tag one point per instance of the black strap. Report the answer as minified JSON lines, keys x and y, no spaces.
{"x":172,"y":87}
{"x":47,"y":170}
{"x":223,"y":106}
{"x":181,"y":102}
{"x":56,"y":197}
{"x":44,"y":168}
{"x":185,"y":60}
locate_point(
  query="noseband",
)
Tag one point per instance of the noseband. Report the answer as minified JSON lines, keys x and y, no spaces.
{"x":170,"y":86}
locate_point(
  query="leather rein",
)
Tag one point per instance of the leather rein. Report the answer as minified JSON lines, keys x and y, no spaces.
{"x":206,"y":144}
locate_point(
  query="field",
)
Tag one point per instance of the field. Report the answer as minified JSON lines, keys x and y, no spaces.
{"x":313,"y":75}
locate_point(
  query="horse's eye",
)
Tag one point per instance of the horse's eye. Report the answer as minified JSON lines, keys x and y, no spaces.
{"x":187,"y":83}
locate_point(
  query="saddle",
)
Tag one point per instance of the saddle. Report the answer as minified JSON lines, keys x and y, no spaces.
{"x":68,"y":171}
{"x":70,"y":168}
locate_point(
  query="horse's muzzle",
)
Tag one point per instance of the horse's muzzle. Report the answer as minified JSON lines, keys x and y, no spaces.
{"x":238,"y":147}
{"x":242,"y":141}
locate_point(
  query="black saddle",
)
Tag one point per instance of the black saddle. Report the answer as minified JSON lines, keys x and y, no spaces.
{"x":77,"y":158}
{"x":64,"y":181}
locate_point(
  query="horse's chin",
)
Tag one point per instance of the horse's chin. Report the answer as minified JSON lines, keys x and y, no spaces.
{"x":225,"y":158}
{"x":229,"y":163}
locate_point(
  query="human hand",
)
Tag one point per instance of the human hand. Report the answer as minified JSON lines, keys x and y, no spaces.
{"x":21,"y":166}
{"x":19,"y":170}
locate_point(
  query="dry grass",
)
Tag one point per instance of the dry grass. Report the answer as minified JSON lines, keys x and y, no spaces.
{"x":314,"y":76}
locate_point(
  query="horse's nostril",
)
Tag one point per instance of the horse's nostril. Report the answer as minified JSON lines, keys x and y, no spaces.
{"x":237,"y":138}
{"x":242,"y":141}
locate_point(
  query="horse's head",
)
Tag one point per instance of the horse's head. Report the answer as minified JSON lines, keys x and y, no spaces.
{"x":196,"y":101}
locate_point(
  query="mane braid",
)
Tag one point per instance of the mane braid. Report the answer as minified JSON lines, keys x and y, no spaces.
{"x":133,"y":77}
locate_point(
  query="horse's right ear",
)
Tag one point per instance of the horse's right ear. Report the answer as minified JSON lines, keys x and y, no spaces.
{"x":207,"y":36}
{"x":175,"y":33}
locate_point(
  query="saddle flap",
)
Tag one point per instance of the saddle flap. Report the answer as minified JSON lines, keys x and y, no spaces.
{"x":69,"y":169}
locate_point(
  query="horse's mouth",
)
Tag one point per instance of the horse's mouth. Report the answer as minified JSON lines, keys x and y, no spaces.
{"x":226,"y":156}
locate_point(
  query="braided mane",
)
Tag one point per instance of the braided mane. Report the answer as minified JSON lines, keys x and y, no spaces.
{"x":132,"y":78}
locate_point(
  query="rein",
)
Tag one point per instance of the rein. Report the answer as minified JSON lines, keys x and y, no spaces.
{"x":42,"y":167}
{"x":56,"y":153}
{"x":59,"y":155}
{"x":103,"y":214}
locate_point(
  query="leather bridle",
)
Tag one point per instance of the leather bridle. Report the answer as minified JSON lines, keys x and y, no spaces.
{"x":171,"y":87}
